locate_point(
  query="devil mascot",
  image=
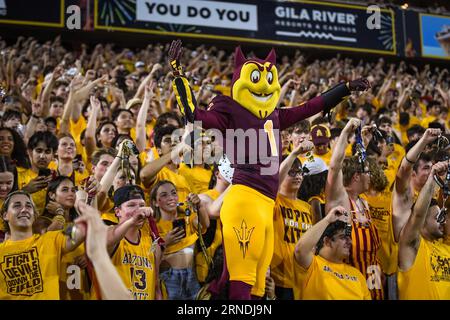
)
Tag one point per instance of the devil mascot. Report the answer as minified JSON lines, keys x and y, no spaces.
{"x":247,"y":210}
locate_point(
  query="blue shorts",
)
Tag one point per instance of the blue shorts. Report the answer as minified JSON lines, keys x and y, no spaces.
{"x":181,"y":284}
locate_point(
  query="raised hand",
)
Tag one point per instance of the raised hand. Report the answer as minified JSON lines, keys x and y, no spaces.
{"x":439,"y":168}
{"x":95,"y":103}
{"x":156,"y":67}
{"x":149,"y":90}
{"x":193,"y":198}
{"x":352,"y":125}
{"x":431,"y":134}
{"x":174,"y":57}
{"x":303,"y":147}
{"x":337,"y":213}
{"x":36,"y":184}
{"x":91,"y":186}
{"x":367,"y":134}
{"x":96,"y":231}
{"x":36,"y":108}
{"x":57,"y":72}
{"x":54,"y":208}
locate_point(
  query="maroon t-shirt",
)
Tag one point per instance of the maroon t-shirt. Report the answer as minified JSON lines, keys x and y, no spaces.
{"x":246,"y":138}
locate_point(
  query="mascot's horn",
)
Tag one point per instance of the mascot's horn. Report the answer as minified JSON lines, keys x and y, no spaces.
{"x":239,"y":57}
{"x":272,"y":57}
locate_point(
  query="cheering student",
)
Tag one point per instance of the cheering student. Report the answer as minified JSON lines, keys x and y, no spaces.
{"x":37,"y":256}
{"x":325,"y":275}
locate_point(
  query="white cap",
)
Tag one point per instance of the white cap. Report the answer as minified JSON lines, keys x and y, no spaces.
{"x":316,"y":166}
{"x":139,"y":64}
{"x":225,"y":169}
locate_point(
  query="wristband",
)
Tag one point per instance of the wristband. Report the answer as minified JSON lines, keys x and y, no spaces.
{"x":412,"y":162}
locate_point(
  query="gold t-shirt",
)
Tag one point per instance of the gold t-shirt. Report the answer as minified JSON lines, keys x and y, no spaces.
{"x":197,"y":177}
{"x":135,"y":263}
{"x":292,"y":218}
{"x":30,"y":268}
{"x":429,"y":277}
{"x":325,"y":280}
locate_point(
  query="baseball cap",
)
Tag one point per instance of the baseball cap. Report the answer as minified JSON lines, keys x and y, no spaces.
{"x":320,"y":134}
{"x":315,"y":167}
{"x":126,"y":193}
{"x":139,"y":64}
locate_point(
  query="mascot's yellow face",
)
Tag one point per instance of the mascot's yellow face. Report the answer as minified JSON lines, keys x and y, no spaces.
{"x":256,"y":87}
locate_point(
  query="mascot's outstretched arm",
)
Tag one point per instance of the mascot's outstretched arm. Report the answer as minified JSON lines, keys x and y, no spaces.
{"x":186,"y":98}
{"x":183,"y":92}
{"x":325,"y":102}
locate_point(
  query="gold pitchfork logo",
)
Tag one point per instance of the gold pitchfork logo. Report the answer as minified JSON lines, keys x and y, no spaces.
{"x":244,"y":234}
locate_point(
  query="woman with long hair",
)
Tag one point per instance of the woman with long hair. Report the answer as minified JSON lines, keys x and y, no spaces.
{"x":13,"y":146}
{"x":8,"y":183}
{"x":59,"y":205}
{"x":312,"y":189}
{"x":8,"y":178}
{"x":105,"y":134}
{"x":60,"y":210}
{"x":180,"y":232}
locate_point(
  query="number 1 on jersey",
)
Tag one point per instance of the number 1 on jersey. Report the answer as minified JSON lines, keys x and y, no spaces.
{"x":268,"y":128}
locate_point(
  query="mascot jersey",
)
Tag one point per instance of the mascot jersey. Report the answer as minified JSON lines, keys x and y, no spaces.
{"x":255,"y":92}
{"x":247,"y":210}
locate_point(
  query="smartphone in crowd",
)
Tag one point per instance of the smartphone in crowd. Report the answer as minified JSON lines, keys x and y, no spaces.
{"x":77,"y":162}
{"x":44,"y":172}
{"x":179,"y":223}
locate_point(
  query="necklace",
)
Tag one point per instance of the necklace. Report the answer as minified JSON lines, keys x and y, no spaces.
{"x":361,"y":213}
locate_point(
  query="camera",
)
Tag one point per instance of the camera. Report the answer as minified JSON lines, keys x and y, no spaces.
{"x":131,"y":147}
{"x":442,"y":142}
{"x":377,"y":135}
{"x":348,"y":227}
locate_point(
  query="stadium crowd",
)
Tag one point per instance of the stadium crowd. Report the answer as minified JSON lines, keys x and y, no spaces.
{"x":88,"y":135}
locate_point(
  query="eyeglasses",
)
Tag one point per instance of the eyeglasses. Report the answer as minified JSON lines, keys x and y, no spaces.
{"x":294,"y":173}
